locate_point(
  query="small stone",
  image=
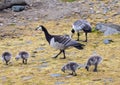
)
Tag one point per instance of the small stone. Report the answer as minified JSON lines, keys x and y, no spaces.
{"x":108,"y":80}
{"x":1,"y":24}
{"x":27,"y":78}
{"x":40,"y":48}
{"x":107,"y":41}
{"x":55,"y":75}
{"x":59,"y":82}
{"x":18,"y":8}
{"x":69,"y":76}
{"x":3,"y":78}
{"x":44,"y":65}
{"x":29,"y":42}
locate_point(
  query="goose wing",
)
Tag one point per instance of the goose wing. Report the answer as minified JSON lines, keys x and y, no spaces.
{"x":65,"y":42}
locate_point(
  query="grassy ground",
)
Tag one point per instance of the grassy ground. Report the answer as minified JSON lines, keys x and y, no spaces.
{"x":40,"y":65}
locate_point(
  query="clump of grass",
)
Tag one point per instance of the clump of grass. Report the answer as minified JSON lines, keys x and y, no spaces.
{"x":94,"y":30}
{"x":12,"y":24}
{"x":68,"y":0}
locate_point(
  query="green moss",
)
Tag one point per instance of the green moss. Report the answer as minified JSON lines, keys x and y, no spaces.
{"x":68,"y":0}
{"x":94,"y":30}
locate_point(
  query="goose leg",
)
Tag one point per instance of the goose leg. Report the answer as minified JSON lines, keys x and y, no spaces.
{"x":6,"y":62}
{"x":87,"y":68}
{"x":95,"y":69}
{"x":58,"y":54}
{"x":73,"y":70}
{"x":63,"y":54}
{"x":23,"y":61}
{"x":71,"y":73}
{"x":78,"y":34}
{"x":85,"y":37}
{"x":75,"y":74}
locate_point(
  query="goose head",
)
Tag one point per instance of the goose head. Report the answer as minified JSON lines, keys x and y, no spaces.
{"x":63,"y":69}
{"x":72,"y":32}
{"x":17,"y":57}
{"x":40,"y":27}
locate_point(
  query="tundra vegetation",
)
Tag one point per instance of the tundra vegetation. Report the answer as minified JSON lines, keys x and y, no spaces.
{"x":42,"y":69}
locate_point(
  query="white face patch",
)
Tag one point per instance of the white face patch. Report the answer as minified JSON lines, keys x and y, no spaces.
{"x":39,"y":28}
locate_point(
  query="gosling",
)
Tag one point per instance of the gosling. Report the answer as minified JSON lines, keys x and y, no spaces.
{"x":71,"y":66}
{"x":6,"y":56}
{"x":24,"y":56}
{"x":93,"y":60}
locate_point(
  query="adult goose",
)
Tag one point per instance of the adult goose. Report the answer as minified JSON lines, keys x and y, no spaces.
{"x":81,"y":25}
{"x":60,"y":42}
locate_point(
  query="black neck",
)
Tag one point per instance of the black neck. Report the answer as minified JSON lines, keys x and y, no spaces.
{"x":47,"y":35}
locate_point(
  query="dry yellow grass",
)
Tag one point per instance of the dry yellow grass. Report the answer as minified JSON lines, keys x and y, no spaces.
{"x":15,"y":73}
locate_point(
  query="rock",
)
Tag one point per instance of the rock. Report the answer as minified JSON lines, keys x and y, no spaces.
{"x":108,"y":29}
{"x":29,"y":42}
{"x":3,"y":78}
{"x":1,"y":24}
{"x":18,"y":8}
{"x":107,"y":41}
{"x":42,"y":66}
{"x":59,"y":82}
{"x":106,"y":80}
{"x":55,"y":75}
{"x":69,"y":76}
{"x":9,"y":3}
{"x":40,"y":48}
{"x":26,"y":78}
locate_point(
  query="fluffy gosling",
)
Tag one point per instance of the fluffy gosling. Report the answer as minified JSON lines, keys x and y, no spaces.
{"x":71,"y":66}
{"x":93,"y":60}
{"x":6,"y":56}
{"x":23,"y":55}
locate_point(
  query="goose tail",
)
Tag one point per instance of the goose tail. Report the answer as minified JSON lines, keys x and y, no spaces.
{"x":79,"y":46}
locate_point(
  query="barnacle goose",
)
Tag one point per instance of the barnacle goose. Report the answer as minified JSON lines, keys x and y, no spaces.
{"x":71,"y":66}
{"x":6,"y":56}
{"x":60,"y":42}
{"x":23,"y":55}
{"x":81,"y":25}
{"x":93,"y":60}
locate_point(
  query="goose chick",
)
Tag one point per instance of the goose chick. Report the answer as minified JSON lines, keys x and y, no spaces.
{"x":71,"y":66}
{"x":93,"y":60}
{"x":23,"y":55}
{"x":6,"y":56}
